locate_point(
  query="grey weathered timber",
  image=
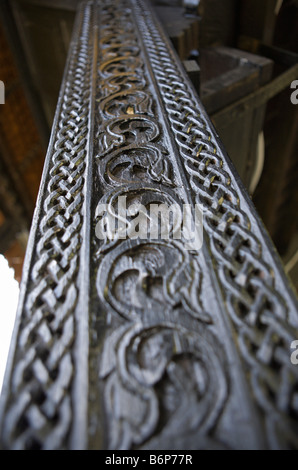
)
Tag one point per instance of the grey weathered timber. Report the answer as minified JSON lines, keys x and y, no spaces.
{"x":133,"y":343}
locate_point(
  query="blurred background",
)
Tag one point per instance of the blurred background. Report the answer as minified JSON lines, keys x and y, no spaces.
{"x":241,"y":55}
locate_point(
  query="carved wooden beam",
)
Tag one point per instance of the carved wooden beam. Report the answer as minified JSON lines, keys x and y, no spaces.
{"x":130,"y":343}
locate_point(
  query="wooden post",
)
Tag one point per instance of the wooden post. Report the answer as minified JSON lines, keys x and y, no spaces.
{"x":141,"y":343}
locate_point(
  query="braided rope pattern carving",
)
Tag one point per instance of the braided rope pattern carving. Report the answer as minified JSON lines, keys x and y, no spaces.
{"x":39,"y":411}
{"x":258,"y":310}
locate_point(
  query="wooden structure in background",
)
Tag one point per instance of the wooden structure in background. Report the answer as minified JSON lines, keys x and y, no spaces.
{"x":21,"y":162}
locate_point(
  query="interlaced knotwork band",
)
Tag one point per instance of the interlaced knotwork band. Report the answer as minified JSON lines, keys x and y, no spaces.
{"x":254,"y":303}
{"x":40,"y":409}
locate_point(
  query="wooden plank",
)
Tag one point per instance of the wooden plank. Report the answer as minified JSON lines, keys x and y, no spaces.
{"x":279,"y":55}
{"x":145,"y":342}
{"x":193,"y":71}
{"x":257,"y":98}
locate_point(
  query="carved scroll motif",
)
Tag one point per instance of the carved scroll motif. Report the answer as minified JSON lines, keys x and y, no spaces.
{"x":157,"y":336}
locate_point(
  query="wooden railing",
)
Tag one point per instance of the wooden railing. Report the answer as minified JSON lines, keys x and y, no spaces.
{"x":133,"y":343}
